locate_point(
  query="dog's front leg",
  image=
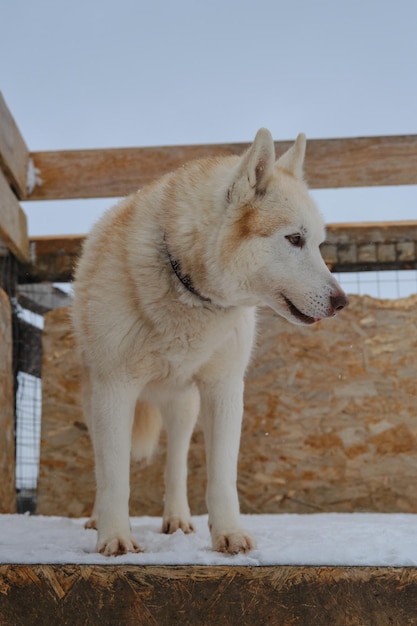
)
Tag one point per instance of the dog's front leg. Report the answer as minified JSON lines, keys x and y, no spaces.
{"x":179,"y":412}
{"x":112,"y":410}
{"x":221,"y":411}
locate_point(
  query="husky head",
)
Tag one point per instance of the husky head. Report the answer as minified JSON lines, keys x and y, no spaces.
{"x":274,"y":234}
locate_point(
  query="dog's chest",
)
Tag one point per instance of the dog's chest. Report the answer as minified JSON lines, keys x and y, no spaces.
{"x":189,"y":344}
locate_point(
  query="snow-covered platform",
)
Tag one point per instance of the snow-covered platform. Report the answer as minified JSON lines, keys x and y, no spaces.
{"x":319,"y":569}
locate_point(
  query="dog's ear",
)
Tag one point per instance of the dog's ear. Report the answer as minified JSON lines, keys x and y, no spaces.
{"x":254,"y":170}
{"x":293,"y":159}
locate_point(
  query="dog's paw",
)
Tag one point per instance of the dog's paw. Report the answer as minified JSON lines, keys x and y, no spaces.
{"x":171,"y":524}
{"x":233,"y":542}
{"x":91,"y":523}
{"x":114,"y":546}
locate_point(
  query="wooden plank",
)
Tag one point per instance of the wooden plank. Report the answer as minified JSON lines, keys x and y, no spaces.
{"x":371,"y":246}
{"x":372,"y":232}
{"x":362,"y":161}
{"x":14,"y":155}
{"x":350,"y":162}
{"x":54,"y":257}
{"x":195,"y":595}
{"x":13,"y":223}
{"x":7,"y":423}
{"x":45,"y":245}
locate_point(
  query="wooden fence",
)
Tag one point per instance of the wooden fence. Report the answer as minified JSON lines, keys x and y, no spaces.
{"x":263,"y":595}
{"x":330,"y":163}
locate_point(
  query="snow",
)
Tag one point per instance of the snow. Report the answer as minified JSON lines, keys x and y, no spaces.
{"x":33,"y":177}
{"x":346,"y":539}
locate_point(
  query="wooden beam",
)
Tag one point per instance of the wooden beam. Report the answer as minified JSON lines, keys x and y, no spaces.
{"x":14,"y":155}
{"x":7,"y":411}
{"x":13,"y":224}
{"x":371,"y":246}
{"x":349,"y":247}
{"x":226,"y":595}
{"x":353,"y":162}
{"x":371,"y":232}
{"x":53,"y":259}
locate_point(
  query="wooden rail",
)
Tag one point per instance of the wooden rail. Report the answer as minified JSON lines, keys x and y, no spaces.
{"x":13,"y":223}
{"x":371,"y":246}
{"x":14,"y":154}
{"x":14,"y":163}
{"x":353,"y":162}
{"x":363,"y":161}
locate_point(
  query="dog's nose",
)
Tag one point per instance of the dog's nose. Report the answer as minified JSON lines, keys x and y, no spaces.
{"x":338,"y":301}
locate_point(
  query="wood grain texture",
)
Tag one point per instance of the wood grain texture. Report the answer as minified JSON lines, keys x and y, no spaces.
{"x":371,"y":246}
{"x":53,"y":259}
{"x":202,"y":596}
{"x":371,"y":232}
{"x":350,"y":162}
{"x":7,"y":443}
{"x":13,"y":223}
{"x":14,"y":155}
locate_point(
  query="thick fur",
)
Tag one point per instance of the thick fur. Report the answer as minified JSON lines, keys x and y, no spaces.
{"x":164,"y":313}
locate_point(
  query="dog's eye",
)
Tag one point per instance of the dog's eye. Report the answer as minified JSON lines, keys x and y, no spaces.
{"x":295,"y":240}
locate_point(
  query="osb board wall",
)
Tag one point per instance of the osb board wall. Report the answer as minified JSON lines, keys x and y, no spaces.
{"x":7,"y":454}
{"x":330,"y":420}
{"x":193,"y":595}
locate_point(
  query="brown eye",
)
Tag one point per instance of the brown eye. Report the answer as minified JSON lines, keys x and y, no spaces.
{"x":295,"y":240}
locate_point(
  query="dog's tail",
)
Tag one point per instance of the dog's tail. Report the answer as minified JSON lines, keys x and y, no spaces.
{"x":145,"y":432}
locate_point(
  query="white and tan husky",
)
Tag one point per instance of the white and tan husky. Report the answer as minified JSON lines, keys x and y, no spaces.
{"x":164,"y":312}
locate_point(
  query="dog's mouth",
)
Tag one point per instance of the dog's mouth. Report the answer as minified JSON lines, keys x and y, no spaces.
{"x":304,"y":319}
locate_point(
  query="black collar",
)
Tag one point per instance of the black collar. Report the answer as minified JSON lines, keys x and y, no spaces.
{"x":185,"y":279}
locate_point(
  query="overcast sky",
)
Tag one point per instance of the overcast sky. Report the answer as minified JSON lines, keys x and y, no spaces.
{"x":106,"y":73}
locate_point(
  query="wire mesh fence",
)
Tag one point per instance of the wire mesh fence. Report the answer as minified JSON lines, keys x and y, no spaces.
{"x":380,"y":284}
{"x":28,"y":304}
{"x":28,"y":408}
{"x":28,"y":427}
